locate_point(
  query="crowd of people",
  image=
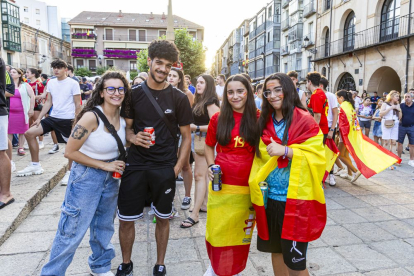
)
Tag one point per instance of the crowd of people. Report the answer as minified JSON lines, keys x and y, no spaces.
{"x":129,"y":143}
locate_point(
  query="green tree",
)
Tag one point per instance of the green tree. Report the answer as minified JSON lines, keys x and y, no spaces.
{"x":83,"y":72}
{"x":133,"y":74}
{"x":142,"y":61}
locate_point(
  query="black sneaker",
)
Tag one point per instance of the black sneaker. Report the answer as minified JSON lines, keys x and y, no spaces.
{"x":159,"y":270}
{"x":186,"y":203}
{"x":125,"y":269}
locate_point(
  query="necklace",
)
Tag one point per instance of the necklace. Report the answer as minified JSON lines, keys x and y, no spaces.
{"x":159,"y":91}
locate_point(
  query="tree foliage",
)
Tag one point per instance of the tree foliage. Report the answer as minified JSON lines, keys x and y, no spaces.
{"x":83,"y":72}
{"x":142,"y":65}
{"x":133,"y":74}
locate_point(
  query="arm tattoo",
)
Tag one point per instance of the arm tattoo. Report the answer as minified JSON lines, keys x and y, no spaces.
{"x":78,"y":132}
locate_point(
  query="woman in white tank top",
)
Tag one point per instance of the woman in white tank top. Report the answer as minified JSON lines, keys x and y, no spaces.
{"x":390,"y":110}
{"x":92,"y":192}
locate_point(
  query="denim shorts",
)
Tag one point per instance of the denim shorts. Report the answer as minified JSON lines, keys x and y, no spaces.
{"x":409,"y":131}
{"x":365,"y":124}
{"x":376,"y":131}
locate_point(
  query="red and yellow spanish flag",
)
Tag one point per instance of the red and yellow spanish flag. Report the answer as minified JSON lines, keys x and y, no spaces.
{"x":230,"y":216}
{"x":331,"y":153}
{"x":369,"y":157}
{"x":305,"y":211}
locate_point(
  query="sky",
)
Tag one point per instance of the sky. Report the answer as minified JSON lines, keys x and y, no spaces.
{"x":218,"y":17}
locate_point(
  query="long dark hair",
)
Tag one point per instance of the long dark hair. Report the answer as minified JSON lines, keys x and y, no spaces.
{"x":181,"y":85}
{"x":347,"y":97}
{"x":201,"y":99}
{"x":96,"y":98}
{"x":290,"y":101}
{"x":35,"y":71}
{"x":248,"y":126}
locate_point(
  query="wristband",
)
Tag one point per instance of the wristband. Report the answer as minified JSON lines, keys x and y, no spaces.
{"x":286,"y":152}
{"x":211,"y":165}
{"x":331,"y":129}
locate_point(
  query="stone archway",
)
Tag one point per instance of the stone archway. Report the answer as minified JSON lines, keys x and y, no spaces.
{"x":383,"y":80}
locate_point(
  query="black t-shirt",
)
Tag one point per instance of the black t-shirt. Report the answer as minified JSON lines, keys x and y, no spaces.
{"x":204,"y":119}
{"x":3,"y":102}
{"x":176,"y":108}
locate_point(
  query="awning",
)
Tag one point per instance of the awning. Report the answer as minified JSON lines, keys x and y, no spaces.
{"x":81,"y":26}
{"x":115,"y":45}
{"x":83,"y":44}
{"x":137,"y":45}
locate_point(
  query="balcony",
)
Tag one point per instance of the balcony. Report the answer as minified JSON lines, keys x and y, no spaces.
{"x":303,"y":73}
{"x":146,"y":38}
{"x":271,"y":70}
{"x":270,"y":22}
{"x":57,"y":54}
{"x":295,"y":33}
{"x":83,"y":53}
{"x":285,"y":3}
{"x":390,"y":31}
{"x":295,"y":47}
{"x":260,"y":29}
{"x":29,"y":47}
{"x":308,"y":40}
{"x":252,"y":34}
{"x":91,"y":36}
{"x":284,"y":50}
{"x":285,"y":24}
{"x":309,"y":9}
{"x":260,"y":50}
{"x":273,"y":46}
{"x":259,"y":73}
{"x":120,"y":53}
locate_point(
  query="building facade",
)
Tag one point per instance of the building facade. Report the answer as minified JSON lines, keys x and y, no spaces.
{"x":65,"y":29}
{"x":298,"y":35}
{"x":34,"y":13}
{"x":11,"y":32}
{"x":113,"y":39}
{"x":365,"y":45}
{"x":54,"y":21}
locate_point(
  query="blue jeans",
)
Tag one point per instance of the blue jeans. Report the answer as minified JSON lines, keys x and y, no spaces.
{"x":90,"y":202}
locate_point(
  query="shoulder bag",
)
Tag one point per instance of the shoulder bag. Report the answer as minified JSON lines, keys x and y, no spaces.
{"x":390,"y":123}
{"x":112,"y":130}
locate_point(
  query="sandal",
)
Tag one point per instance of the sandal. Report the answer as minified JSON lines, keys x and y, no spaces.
{"x":189,"y":221}
{"x":21,"y":152}
{"x":201,"y":211}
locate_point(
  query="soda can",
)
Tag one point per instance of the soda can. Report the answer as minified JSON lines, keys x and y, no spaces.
{"x":217,"y":178}
{"x":264,"y":188}
{"x":151,"y":131}
{"x":116,"y":175}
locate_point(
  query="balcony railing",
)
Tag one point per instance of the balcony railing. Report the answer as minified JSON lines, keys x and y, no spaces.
{"x":29,"y":47}
{"x":285,"y":24}
{"x":129,"y":38}
{"x":260,"y":50}
{"x":389,"y":31}
{"x":271,"y":70}
{"x":252,"y":34}
{"x":285,"y":3}
{"x":295,"y":47}
{"x":276,"y":20}
{"x":120,"y":53}
{"x":260,"y":29}
{"x":309,"y":9}
{"x":295,"y":33}
{"x":272,"y":46}
{"x":84,"y":53}
{"x":84,"y":36}
{"x":308,"y":40}
{"x":284,"y":50}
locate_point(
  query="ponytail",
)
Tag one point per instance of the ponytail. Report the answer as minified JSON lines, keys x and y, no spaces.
{"x":347,"y":96}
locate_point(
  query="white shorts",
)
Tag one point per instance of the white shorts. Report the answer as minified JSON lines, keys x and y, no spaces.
{"x":4,"y":126}
{"x":389,"y":133}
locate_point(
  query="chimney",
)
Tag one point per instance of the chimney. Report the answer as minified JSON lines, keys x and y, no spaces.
{"x":163,"y":16}
{"x":151,"y":16}
{"x":120,"y":14}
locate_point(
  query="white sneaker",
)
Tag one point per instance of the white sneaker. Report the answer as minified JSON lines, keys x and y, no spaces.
{"x":41,"y":145}
{"x":332,"y":181}
{"x":210,"y":271}
{"x":30,"y":170}
{"x":65,"y":179}
{"x":345,"y":175}
{"x":356,"y":176}
{"x":54,"y":149}
{"x":13,"y":166}
{"x":339,"y":171}
{"x":411,"y":163}
{"x":109,"y":273}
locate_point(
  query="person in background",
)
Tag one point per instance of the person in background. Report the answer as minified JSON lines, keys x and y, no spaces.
{"x":95,"y":82}
{"x":8,"y":68}
{"x":44,"y":79}
{"x":364,"y":95}
{"x":374,"y":100}
{"x":390,"y":111}
{"x":143,"y":75}
{"x":71,"y":73}
{"x":364,"y":114}
{"x":259,"y":99}
{"x":6,"y":196}
{"x":221,"y":81}
{"x":376,"y":131}
{"x":138,"y":80}
{"x":206,"y":104}
{"x":406,"y":127}
{"x":293,"y":75}
{"x":38,"y":88}
{"x":21,"y":109}
{"x":84,"y":88}
{"x":357,"y":100}
{"x":189,"y":85}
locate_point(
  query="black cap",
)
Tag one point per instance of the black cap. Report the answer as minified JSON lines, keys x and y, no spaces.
{"x":84,"y":79}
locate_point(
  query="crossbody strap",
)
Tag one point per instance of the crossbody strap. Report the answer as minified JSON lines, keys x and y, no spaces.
{"x":159,"y":110}
{"x":113,"y":132}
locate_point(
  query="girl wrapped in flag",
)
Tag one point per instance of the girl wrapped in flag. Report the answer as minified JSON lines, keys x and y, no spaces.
{"x":369,"y":157}
{"x":293,"y":164}
{"x":230,"y":216}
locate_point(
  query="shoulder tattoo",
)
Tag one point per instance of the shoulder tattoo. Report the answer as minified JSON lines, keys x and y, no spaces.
{"x":78,"y":132}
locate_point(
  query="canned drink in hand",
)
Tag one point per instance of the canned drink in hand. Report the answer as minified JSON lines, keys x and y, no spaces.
{"x":264,"y":188}
{"x":116,"y":175}
{"x":151,"y":131}
{"x":216,"y":183}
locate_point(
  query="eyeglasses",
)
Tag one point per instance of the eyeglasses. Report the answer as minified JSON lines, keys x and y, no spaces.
{"x":274,"y":91}
{"x":111,"y":90}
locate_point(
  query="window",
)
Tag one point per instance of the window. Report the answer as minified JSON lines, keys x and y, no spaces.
{"x":142,"y":35}
{"x":162,"y":33}
{"x":324,"y":71}
{"x":310,"y":65}
{"x":327,"y":4}
{"x":92,"y":64}
{"x":79,"y":63}
{"x":349,"y":32}
{"x":390,"y":19}
{"x":26,"y":20}
{"x":110,"y":63}
{"x":327,"y":43}
{"x":269,"y":13}
{"x":133,"y":65}
{"x":109,"y":34}
{"x":193,"y":33}
{"x":37,"y":11}
{"x":37,"y":22}
{"x":26,"y":9}
{"x":132,"y":35}
{"x":347,"y":82}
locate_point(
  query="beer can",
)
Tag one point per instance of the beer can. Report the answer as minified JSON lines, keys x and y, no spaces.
{"x":264,"y":188}
{"x":116,"y":175}
{"x":151,"y":131}
{"x":217,"y":178}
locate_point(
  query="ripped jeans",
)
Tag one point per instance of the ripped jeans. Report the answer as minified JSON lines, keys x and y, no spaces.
{"x":90,"y":202}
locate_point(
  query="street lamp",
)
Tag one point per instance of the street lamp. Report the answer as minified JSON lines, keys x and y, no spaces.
{"x":306,"y":41}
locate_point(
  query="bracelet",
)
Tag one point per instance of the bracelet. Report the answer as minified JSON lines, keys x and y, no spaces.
{"x":211,"y":165}
{"x":286,"y":152}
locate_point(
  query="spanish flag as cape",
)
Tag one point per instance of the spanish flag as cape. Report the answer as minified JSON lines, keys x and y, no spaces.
{"x":331,"y":153}
{"x":305,"y":211}
{"x":369,"y":157}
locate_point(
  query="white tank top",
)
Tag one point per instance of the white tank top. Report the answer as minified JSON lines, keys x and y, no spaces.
{"x":390,"y":115}
{"x":101,"y":145}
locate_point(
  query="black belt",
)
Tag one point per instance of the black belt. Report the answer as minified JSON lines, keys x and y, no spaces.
{"x":407,"y":126}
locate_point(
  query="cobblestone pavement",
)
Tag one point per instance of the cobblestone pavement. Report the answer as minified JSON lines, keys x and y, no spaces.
{"x":370,"y":231}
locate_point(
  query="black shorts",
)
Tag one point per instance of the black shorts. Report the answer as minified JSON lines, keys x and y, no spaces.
{"x":62,"y":127}
{"x":136,"y":186}
{"x":294,"y":253}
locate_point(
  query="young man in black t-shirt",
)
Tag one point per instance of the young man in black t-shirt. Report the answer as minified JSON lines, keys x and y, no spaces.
{"x":152,"y":169}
